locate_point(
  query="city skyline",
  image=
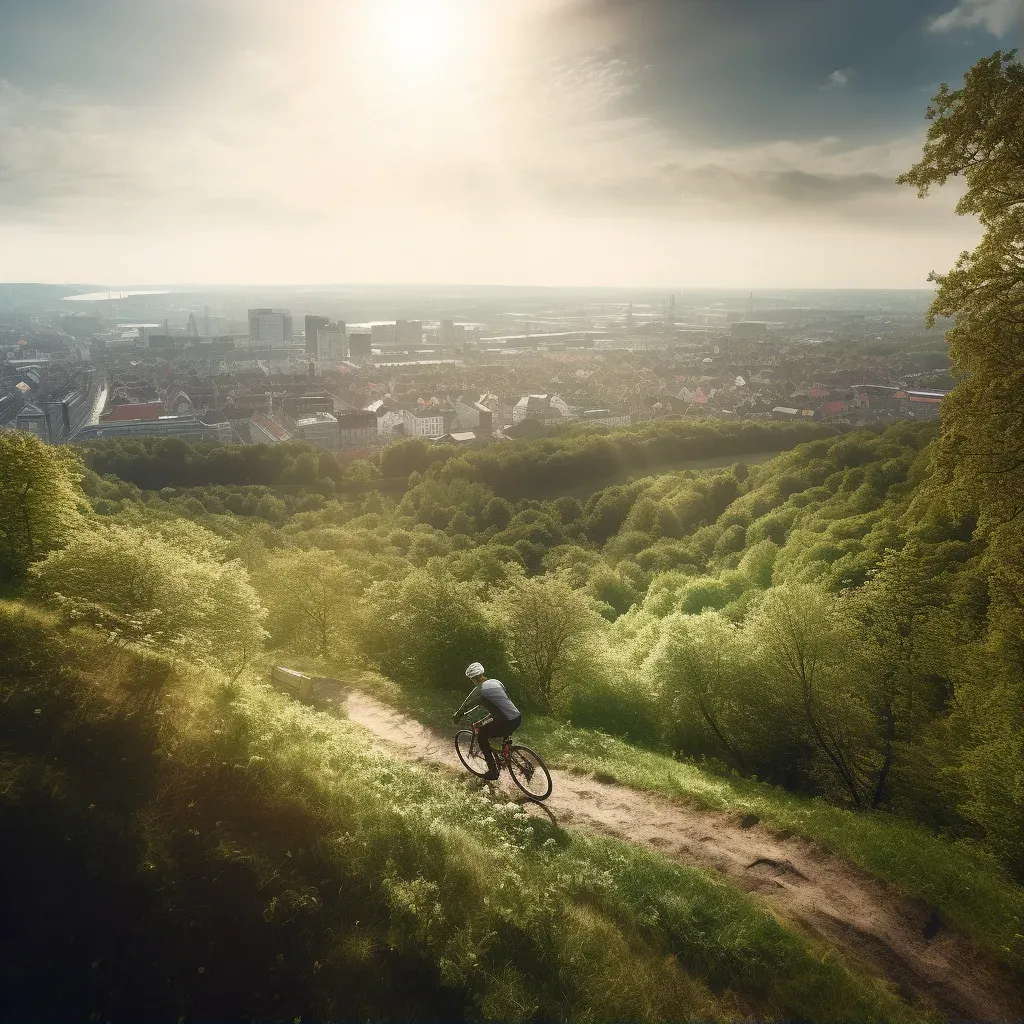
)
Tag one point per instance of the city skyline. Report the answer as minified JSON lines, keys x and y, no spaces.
{"x":569,"y":143}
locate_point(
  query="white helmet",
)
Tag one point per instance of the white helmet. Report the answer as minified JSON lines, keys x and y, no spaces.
{"x":474,"y":670}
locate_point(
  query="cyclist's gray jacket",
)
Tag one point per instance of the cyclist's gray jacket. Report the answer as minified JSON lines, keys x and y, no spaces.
{"x":491,"y":695}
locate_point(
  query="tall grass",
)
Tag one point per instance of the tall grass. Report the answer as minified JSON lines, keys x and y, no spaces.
{"x":215,"y":851}
{"x":965,"y":883}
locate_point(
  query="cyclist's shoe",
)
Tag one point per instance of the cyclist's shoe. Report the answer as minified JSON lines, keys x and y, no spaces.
{"x":490,"y":775}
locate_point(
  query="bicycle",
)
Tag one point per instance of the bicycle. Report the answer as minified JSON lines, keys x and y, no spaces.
{"x":525,"y":766}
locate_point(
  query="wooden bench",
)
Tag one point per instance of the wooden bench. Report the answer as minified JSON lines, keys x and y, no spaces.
{"x":299,"y":683}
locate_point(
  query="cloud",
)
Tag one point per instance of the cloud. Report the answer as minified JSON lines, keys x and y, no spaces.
{"x":711,"y":191}
{"x":312,"y":159}
{"x":555,"y":140}
{"x":997,"y":16}
{"x":839,"y":78}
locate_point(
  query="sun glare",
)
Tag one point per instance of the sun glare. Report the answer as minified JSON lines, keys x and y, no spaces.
{"x":418,"y":39}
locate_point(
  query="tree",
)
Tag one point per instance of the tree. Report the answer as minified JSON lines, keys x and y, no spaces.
{"x":312,"y":594}
{"x":425,"y":629}
{"x":698,"y":665}
{"x":498,"y":512}
{"x":988,"y":723}
{"x":614,"y":592}
{"x":362,"y":473}
{"x":977,"y":133}
{"x":146,"y":589}
{"x":493,"y":565}
{"x":807,"y":646}
{"x":899,"y":606}
{"x":545,"y":621}
{"x":41,"y":504}
{"x":409,"y":455}
{"x":272,"y":509}
{"x":574,"y":562}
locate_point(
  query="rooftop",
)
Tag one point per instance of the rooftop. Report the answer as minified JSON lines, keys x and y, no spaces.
{"x":140,"y":411}
{"x":272,"y":427}
{"x":313,"y":418}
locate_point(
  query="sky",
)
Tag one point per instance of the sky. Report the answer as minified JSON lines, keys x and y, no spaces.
{"x":676,"y":143}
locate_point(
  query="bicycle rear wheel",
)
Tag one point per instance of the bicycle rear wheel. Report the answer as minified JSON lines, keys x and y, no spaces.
{"x":530,"y":773}
{"x":468,"y":749}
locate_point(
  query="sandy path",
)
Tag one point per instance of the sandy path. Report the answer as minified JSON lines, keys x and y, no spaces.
{"x":892,"y":936}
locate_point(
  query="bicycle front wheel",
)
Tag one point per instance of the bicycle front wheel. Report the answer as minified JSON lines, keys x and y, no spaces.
{"x":468,"y":749}
{"x":530,"y":773}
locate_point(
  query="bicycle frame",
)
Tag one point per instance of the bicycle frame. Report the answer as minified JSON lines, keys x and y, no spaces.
{"x":504,"y":755}
{"x":521,"y":770}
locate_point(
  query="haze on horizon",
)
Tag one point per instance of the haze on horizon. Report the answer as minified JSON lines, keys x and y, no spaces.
{"x":748,"y":143}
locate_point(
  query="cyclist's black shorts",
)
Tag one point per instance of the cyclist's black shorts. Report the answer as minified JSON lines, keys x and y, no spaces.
{"x":491,"y":727}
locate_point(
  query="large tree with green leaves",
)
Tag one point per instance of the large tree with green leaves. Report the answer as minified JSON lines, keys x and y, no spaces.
{"x":545,"y":622}
{"x":808,"y":645}
{"x":165,"y":590}
{"x":697,"y":667}
{"x":40,"y":499}
{"x":977,"y":135}
{"x":312,"y":594}
{"x":425,"y":629}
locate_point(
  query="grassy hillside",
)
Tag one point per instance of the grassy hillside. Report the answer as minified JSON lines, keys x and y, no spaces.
{"x":180,"y":846}
{"x":825,"y":640}
{"x":969,"y":886}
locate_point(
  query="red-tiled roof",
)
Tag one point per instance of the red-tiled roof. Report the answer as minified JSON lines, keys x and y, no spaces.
{"x":141,"y":411}
{"x":833,"y":408}
{"x":271,"y":426}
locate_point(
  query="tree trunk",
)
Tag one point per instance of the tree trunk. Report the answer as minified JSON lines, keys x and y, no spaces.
{"x":834,"y":756}
{"x":713,"y":726}
{"x":883,"y":774}
{"x":27,"y":520}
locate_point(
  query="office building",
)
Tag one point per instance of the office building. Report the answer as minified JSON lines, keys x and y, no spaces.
{"x":453,"y":335}
{"x":359,"y":347}
{"x":320,"y":429}
{"x":314,"y":324}
{"x":270,"y":327}
{"x":331,"y":343}
{"x":390,"y":418}
{"x":382,"y":336}
{"x":423,"y":422}
{"x":475,"y":416}
{"x":540,"y":407}
{"x":357,"y":430}
{"x":408,"y":333}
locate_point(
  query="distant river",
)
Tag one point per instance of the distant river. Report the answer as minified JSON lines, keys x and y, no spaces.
{"x":105,"y":296}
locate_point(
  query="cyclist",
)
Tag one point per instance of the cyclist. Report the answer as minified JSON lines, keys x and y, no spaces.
{"x":502,"y":717}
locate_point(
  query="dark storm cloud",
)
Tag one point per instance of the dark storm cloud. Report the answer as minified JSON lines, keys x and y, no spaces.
{"x":727,"y":71}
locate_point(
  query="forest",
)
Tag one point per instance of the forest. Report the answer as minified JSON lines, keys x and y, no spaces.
{"x":833,"y":636}
{"x":818,"y":621}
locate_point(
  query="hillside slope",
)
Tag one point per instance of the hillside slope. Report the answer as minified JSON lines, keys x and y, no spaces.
{"x":181,"y":847}
{"x":898,"y":939}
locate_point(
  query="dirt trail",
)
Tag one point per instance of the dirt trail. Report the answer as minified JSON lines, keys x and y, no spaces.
{"x":893,"y":937}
